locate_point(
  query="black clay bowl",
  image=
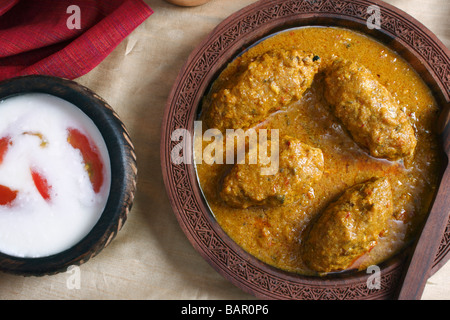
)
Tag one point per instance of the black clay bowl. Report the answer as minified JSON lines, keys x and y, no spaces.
{"x":123,"y":174}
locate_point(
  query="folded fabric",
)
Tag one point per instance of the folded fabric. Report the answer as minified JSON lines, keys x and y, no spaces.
{"x":64,"y":38}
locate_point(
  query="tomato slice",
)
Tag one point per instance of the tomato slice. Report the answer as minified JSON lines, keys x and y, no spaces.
{"x":4,"y":145}
{"x":7,"y":195}
{"x":91,"y":157}
{"x":41,"y":184}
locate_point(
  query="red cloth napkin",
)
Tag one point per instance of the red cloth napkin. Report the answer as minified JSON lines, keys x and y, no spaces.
{"x":41,"y":36}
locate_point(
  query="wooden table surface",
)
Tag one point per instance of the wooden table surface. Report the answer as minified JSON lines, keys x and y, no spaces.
{"x":151,"y":257}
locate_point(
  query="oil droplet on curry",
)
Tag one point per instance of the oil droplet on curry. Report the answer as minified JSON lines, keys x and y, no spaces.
{"x":277,"y":234}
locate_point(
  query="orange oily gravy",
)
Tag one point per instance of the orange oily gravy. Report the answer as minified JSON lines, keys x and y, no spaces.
{"x":275,"y":235}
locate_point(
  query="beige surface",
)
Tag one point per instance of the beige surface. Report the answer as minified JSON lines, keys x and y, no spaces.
{"x":151,"y":258}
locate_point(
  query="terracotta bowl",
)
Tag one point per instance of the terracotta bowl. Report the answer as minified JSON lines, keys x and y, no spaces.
{"x":123,"y":174}
{"x":399,"y":31}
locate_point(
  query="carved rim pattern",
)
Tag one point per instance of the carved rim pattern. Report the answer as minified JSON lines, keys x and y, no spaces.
{"x":399,"y":30}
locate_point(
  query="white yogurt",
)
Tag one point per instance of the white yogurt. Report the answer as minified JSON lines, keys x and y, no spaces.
{"x":32,"y":226}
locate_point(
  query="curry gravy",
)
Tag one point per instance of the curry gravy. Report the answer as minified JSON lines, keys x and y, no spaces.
{"x":274,"y":235}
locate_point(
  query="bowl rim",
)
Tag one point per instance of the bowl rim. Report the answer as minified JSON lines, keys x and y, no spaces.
{"x":123,"y":173}
{"x":400,"y":32}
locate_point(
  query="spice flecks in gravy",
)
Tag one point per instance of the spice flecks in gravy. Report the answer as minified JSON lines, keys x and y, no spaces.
{"x":274,"y":235}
